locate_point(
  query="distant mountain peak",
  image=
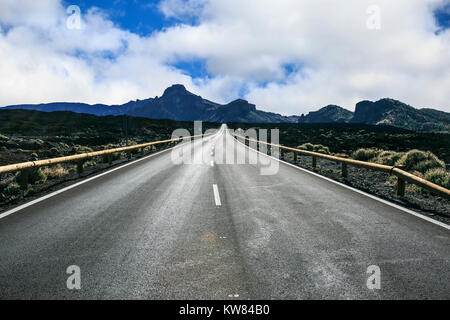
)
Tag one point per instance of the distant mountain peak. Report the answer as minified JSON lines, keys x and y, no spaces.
{"x":328,"y":114}
{"x":331,"y":107}
{"x":240,"y":101}
{"x":242,"y":104}
{"x":176,"y":89}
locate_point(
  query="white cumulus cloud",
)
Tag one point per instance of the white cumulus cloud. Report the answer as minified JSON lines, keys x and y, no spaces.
{"x":286,"y":56}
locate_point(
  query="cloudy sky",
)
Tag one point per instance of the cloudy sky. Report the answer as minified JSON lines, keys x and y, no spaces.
{"x":286,"y":56}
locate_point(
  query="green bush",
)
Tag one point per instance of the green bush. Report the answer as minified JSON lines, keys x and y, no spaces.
{"x":12,"y":189}
{"x":438,"y":176}
{"x":422,"y":161}
{"x":366,"y":154}
{"x":321,"y":149}
{"x":81,"y":149}
{"x":72,"y":169}
{"x":35,"y":176}
{"x":306,"y":146}
{"x":30,"y":192}
{"x":389,"y":158}
{"x":55,"y":152}
{"x":314,"y":147}
{"x":54,"y":172}
{"x":89,"y":163}
{"x":38,"y":176}
{"x":149,"y":149}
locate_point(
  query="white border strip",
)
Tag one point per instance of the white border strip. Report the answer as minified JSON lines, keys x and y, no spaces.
{"x":421,"y":216}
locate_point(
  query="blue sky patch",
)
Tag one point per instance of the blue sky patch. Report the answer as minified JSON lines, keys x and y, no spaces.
{"x":140,"y":17}
{"x":442,"y":16}
{"x":193,"y":68}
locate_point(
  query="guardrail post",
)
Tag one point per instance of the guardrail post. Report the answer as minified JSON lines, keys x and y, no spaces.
{"x":295,"y":156}
{"x":80,"y":167}
{"x":23,"y":181}
{"x":110,"y":158}
{"x":314,"y":162}
{"x":344,"y":170}
{"x":401,"y":186}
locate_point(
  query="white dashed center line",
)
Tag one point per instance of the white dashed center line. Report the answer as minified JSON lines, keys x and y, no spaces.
{"x":216,"y":195}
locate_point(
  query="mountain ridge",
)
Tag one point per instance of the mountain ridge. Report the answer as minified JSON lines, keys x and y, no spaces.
{"x":177,"y":103}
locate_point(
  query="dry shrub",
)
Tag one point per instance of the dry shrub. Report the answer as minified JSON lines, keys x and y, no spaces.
{"x":55,"y":172}
{"x":422,"y":161}
{"x":366,"y":154}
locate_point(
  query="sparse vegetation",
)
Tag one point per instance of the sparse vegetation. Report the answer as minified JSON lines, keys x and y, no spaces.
{"x":35,"y":176}
{"x":89,"y":163}
{"x":55,"y":172}
{"x":346,"y":138}
{"x":12,"y":189}
{"x":77,"y":149}
{"x":366,"y":154}
{"x":423,"y":164}
{"x":383,"y":145}
{"x":421,"y":161}
{"x":389,"y":158}
{"x":438,"y":176}
{"x":315,"y":148}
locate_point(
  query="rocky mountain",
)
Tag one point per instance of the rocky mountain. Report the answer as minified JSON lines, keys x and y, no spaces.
{"x":95,"y":109}
{"x":177,"y":103}
{"x":388,"y":112}
{"x":242,"y":111}
{"x":328,"y":114}
{"x":398,"y":114}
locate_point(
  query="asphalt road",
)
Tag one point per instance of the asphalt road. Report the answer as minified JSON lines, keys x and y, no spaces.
{"x":160,"y":230}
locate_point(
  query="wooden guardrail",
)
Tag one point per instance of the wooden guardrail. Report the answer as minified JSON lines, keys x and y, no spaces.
{"x":402,"y":176}
{"x":24,"y":167}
